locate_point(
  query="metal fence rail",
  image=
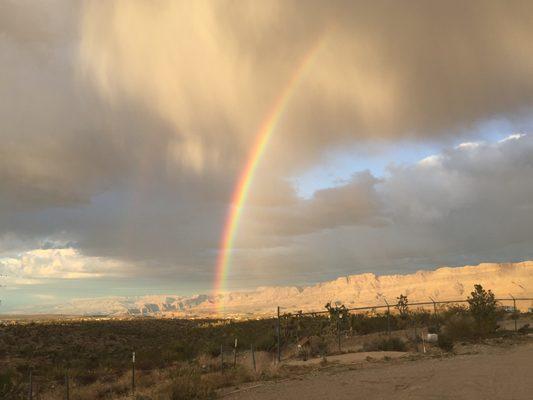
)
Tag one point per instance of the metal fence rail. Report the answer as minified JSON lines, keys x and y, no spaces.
{"x":383,"y":306}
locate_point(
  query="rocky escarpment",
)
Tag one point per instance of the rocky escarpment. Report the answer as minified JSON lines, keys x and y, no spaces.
{"x":445,"y":283}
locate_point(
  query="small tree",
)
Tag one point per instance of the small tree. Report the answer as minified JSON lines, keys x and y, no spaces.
{"x":482,"y":306}
{"x":339,"y":315}
{"x":403,"y":306}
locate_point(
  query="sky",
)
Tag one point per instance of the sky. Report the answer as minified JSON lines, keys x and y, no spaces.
{"x":405,"y":144}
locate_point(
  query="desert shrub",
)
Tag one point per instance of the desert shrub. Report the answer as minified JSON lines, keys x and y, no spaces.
{"x":86,"y":378}
{"x":445,"y":342}
{"x":184,"y":351}
{"x":460,"y":326}
{"x":433,"y":329}
{"x":188,"y":385}
{"x":483,"y":307}
{"x":230,"y":377}
{"x":403,"y":306}
{"x":212,"y":349}
{"x":364,"y":324}
{"x":302,"y":354}
{"x":454,"y":309}
{"x":317,"y":346}
{"x":9,"y":384}
{"x":266,"y":342}
{"x":421,"y":317}
{"x":339,"y":316}
{"x":385,"y":344}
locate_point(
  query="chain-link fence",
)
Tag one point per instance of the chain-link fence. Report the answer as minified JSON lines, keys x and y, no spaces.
{"x":319,"y":332}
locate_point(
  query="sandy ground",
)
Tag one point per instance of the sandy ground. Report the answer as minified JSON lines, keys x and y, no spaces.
{"x":349,"y":358}
{"x":493,"y":373}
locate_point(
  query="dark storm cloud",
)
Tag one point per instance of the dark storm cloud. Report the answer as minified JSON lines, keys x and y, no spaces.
{"x":386,"y":69}
{"x":123,"y":126}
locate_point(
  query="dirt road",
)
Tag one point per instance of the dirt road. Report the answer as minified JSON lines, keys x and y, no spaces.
{"x":494,"y":373}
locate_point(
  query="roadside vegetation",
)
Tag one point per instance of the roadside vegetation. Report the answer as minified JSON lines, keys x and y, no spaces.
{"x":192,"y":359}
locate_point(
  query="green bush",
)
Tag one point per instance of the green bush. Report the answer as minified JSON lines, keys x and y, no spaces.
{"x":9,"y":385}
{"x":213,"y":349}
{"x":445,"y":342}
{"x":403,"y":306}
{"x":483,"y":307}
{"x":188,"y":385}
{"x":385,"y":344}
{"x":364,"y":324}
{"x":433,"y":329}
{"x":184,"y":351}
{"x":266,"y":342}
{"x":460,"y":327}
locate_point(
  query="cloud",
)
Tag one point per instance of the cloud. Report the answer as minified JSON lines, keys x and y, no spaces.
{"x":38,"y":266}
{"x":353,"y":203}
{"x":124,"y":125}
{"x":474,"y":204}
{"x":212,"y":69}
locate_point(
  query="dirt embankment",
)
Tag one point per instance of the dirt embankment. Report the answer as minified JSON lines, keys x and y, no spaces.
{"x":480,"y":372}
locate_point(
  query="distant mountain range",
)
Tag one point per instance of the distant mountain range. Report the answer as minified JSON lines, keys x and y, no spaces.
{"x":445,"y":283}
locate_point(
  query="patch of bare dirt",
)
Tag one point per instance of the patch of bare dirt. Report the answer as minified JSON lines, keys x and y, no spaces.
{"x":489,"y":371}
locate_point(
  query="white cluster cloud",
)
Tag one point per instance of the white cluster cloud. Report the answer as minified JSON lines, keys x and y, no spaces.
{"x":41,"y":265}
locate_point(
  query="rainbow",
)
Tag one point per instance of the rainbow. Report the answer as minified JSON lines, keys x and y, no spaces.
{"x":240,"y":192}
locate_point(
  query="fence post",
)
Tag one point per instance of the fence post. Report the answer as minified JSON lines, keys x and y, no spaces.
{"x":515,"y":315}
{"x":30,"y":389}
{"x":133,"y":373}
{"x":235,"y":354}
{"x":253,"y":356}
{"x":388,"y":317}
{"x":435,"y":311}
{"x":338,"y":335}
{"x":221,"y":357}
{"x":279,"y":337}
{"x":416,"y":337}
{"x":434,"y":307}
{"x":67,"y":388}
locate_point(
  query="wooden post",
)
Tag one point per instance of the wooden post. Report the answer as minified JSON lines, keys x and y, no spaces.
{"x":235,"y":354}
{"x":388,"y":317}
{"x":338,"y":334}
{"x":222,"y":357}
{"x":30,"y":389}
{"x":253,"y":356}
{"x":416,"y":337}
{"x":67,"y":388}
{"x":133,"y":373}
{"x":515,"y":315}
{"x":279,"y":338}
{"x":435,"y":310}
